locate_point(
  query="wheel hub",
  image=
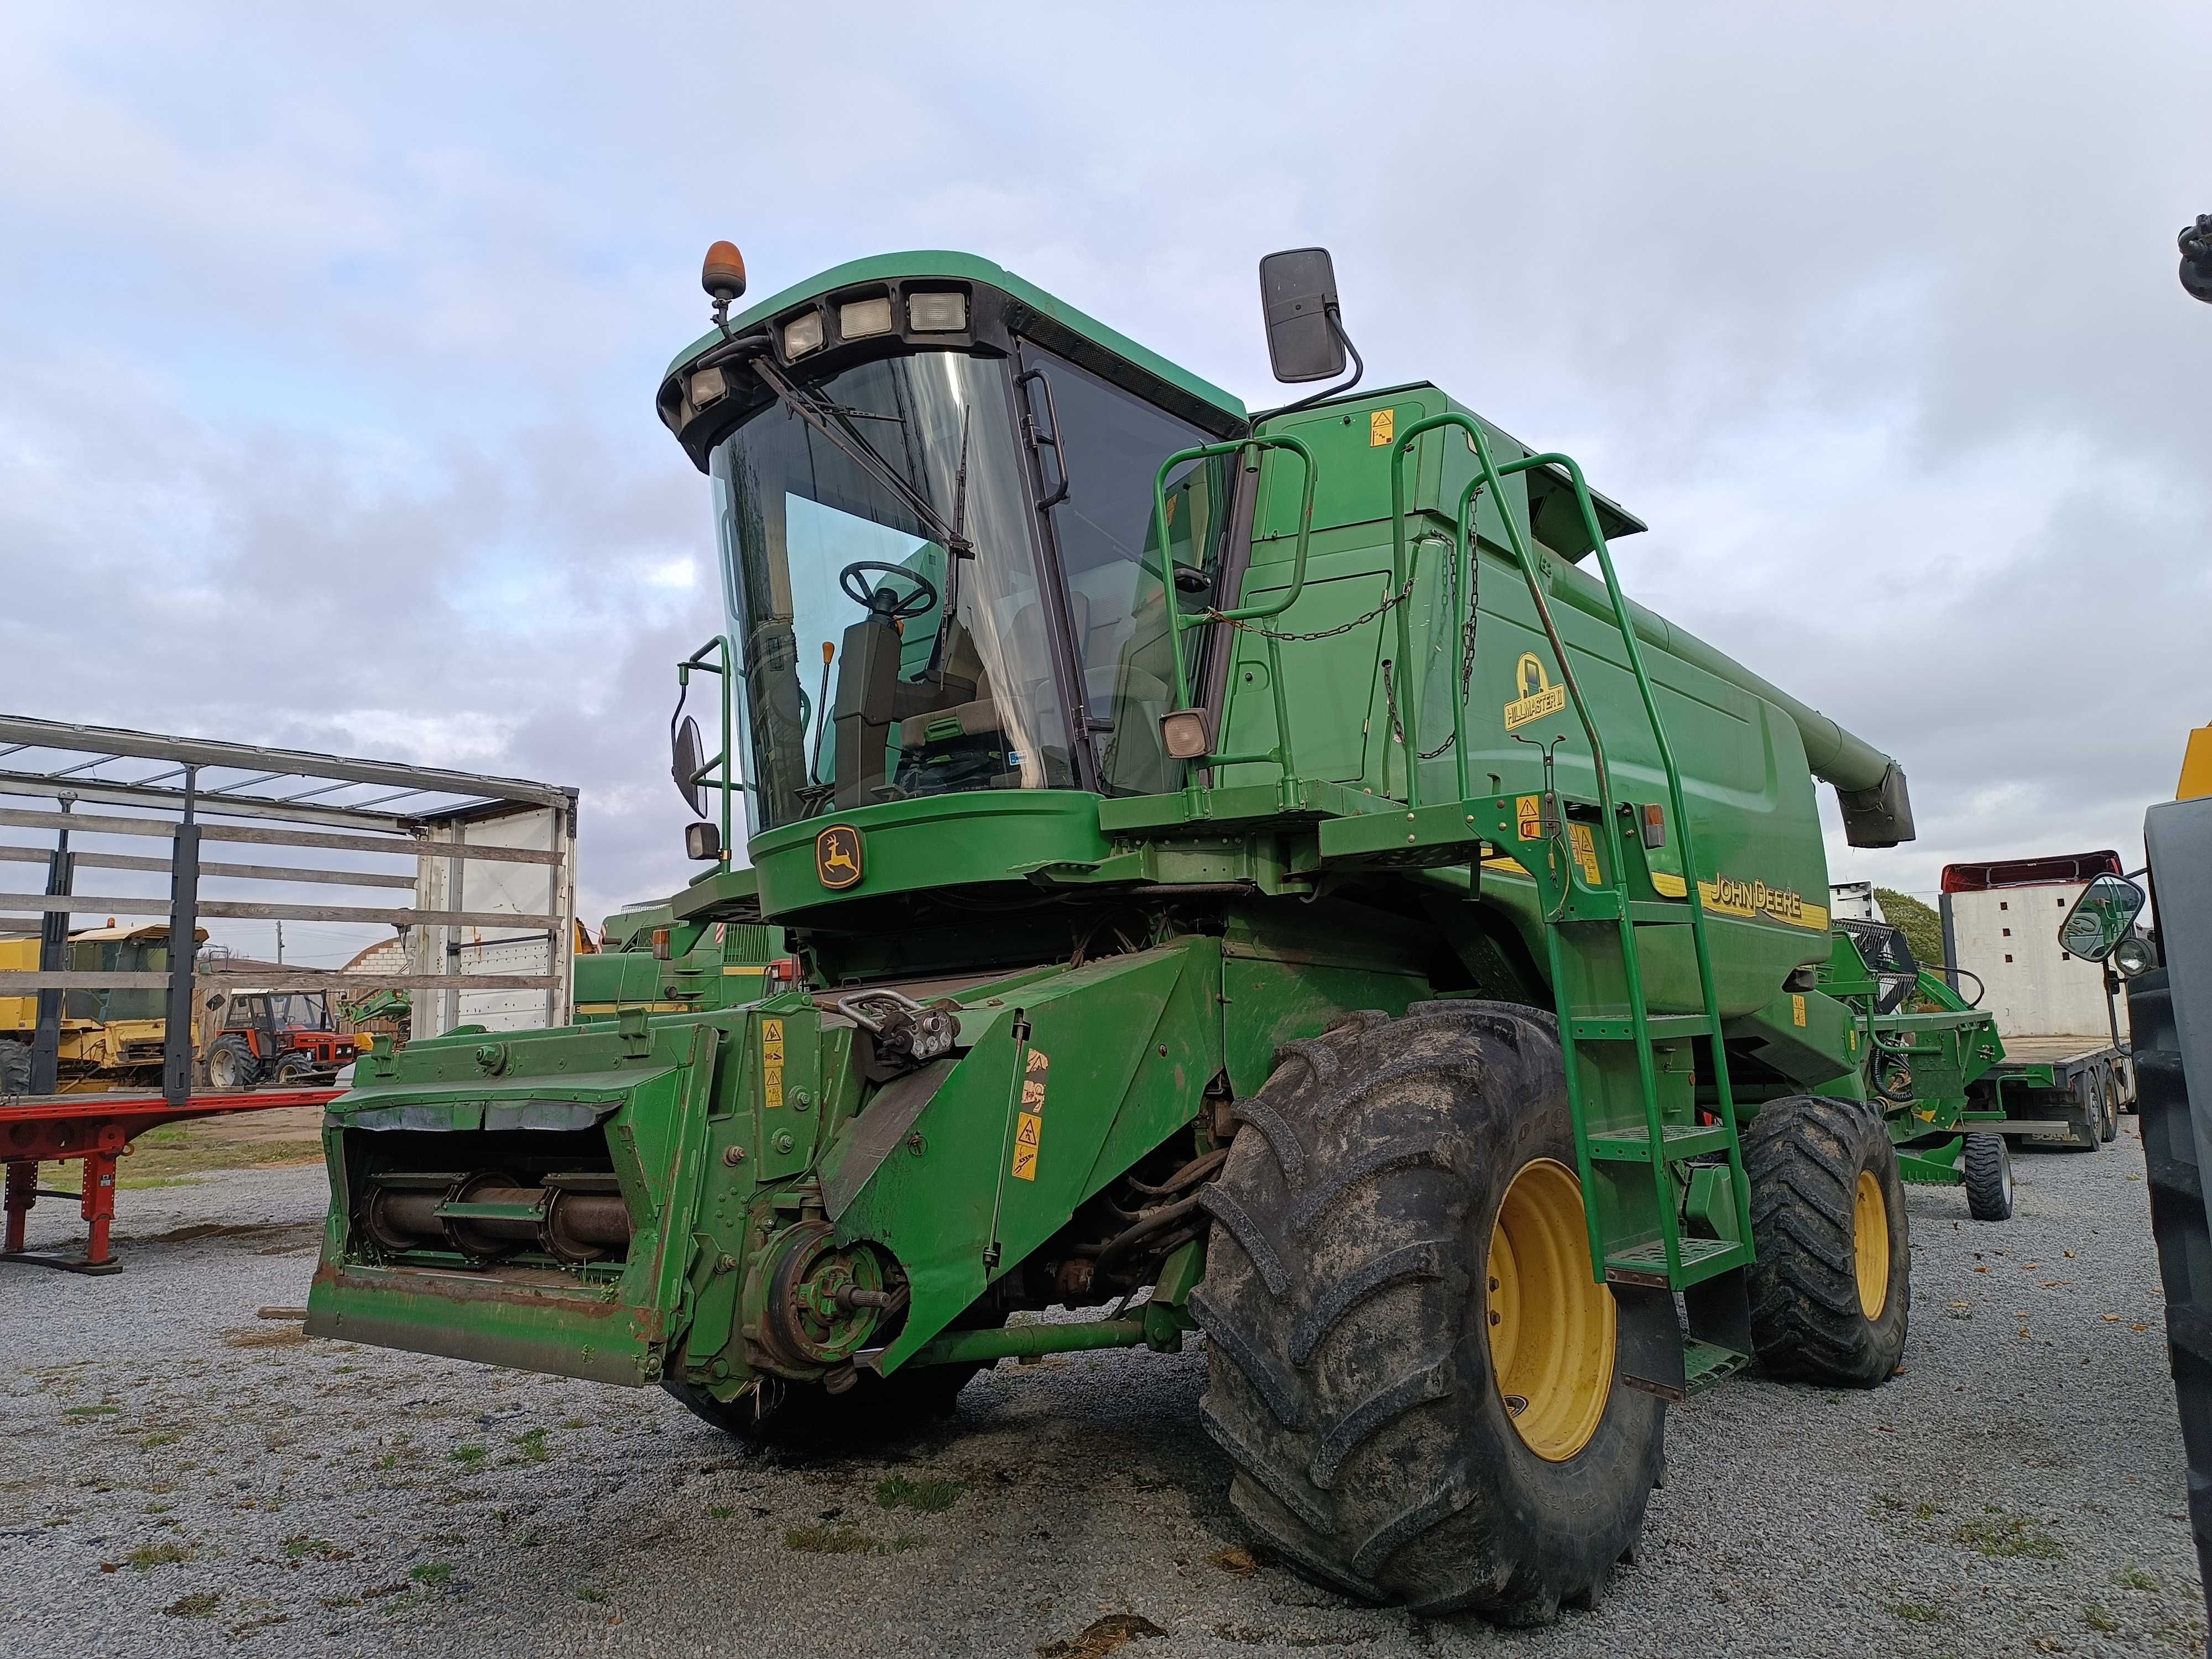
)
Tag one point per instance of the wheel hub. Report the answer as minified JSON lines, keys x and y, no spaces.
{"x":1870,"y":1244}
{"x":1553,"y":1326}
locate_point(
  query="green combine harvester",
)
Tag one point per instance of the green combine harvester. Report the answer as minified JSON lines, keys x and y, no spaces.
{"x":1255,"y":875}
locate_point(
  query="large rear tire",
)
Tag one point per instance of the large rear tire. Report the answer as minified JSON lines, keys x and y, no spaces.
{"x":14,"y":1068}
{"x":2108,"y":1096}
{"x":1409,"y":1361}
{"x":231,"y":1064}
{"x":1830,"y":1286}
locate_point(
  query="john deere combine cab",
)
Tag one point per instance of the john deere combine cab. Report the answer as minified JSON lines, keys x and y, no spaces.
{"x":1255,"y":875}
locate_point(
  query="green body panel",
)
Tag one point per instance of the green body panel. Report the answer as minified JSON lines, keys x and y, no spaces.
{"x":1125,"y":967}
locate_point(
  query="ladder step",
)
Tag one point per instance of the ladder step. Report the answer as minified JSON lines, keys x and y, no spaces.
{"x":1702,"y":1258}
{"x":1704,"y":1364}
{"x":1619,"y":1028}
{"x":1677,"y":1141}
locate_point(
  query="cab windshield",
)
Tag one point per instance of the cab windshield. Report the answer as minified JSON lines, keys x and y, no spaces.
{"x":876,"y":662}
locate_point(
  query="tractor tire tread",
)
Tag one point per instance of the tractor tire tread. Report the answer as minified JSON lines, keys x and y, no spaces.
{"x":1983,"y":1160}
{"x":1348,"y":1222}
{"x":1804,"y":1156}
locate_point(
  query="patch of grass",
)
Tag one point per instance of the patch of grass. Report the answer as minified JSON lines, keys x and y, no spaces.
{"x":721,"y":1511}
{"x":432,"y":1573}
{"x":263,"y":1622}
{"x":156,"y":1161}
{"x":821,"y":1539}
{"x":575,"y":1422}
{"x":588,"y":1593}
{"x":338,"y":1600}
{"x":1919,"y":1613}
{"x":471,"y":1457}
{"x":2005,"y":1537}
{"x":156,"y":1438}
{"x":192,"y":1607}
{"x":932,"y":1497}
{"x":147,"y":1557}
{"x":300,"y":1547}
{"x":2135,"y":1578}
{"x":2096,"y":1618}
{"x":529,"y":1447}
{"x":265,"y":1336}
{"x":1102,"y":1637}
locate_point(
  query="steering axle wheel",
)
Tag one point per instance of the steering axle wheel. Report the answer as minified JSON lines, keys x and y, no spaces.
{"x":880,"y":601}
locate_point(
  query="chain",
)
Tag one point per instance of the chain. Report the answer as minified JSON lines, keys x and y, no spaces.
{"x":1360,"y":621}
{"x":1467,"y":630}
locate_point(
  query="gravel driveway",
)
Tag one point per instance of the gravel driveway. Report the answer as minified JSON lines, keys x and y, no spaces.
{"x":177,"y":1477}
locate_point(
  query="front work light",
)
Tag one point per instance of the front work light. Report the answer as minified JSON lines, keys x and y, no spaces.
{"x":859,"y":318}
{"x":707,"y":386}
{"x":803,"y":334}
{"x":1184,"y":732}
{"x":937,"y":314}
{"x":2133,"y":956}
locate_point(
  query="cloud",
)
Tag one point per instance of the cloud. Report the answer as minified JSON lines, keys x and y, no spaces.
{"x":330,"y":338}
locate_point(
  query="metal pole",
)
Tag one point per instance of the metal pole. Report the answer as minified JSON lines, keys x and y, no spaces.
{"x":184,"y":946}
{"x":53,"y":958}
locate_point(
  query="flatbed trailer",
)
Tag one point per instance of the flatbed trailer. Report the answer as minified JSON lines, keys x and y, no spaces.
{"x":99,"y":1129}
{"x":2057,"y":1090}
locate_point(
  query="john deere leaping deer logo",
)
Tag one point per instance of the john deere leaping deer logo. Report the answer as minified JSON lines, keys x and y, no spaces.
{"x":837,"y":857}
{"x":1535,"y":696}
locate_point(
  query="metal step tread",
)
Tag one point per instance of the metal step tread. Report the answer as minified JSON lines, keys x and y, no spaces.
{"x":1701,"y":1259}
{"x":1676,"y":1141}
{"x":1704,"y":1364}
{"x":1617,"y":1027}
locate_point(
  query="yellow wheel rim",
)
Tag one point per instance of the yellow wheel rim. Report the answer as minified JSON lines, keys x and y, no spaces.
{"x":1870,"y":1245}
{"x":1551,"y":1325}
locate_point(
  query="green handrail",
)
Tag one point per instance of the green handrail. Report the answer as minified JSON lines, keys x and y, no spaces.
{"x":1281,"y":753}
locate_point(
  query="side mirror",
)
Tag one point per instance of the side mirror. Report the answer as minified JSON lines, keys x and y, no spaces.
{"x":1297,"y":297}
{"x":2101,"y":917}
{"x":703,"y":841}
{"x":2196,"y":258}
{"x":686,"y":765}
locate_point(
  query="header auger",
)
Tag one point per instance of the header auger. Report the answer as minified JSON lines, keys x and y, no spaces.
{"x":1263,"y":875}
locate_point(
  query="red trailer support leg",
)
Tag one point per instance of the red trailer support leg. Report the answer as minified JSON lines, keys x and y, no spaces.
{"x":99,"y":1207}
{"x":22,"y":1192}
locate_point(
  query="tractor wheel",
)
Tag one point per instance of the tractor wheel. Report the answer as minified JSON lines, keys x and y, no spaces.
{"x":1408,"y":1360}
{"x":873,"y":1410}
{"x":14,"y":1068}
{"x":296,"y":1072}
{"x":1830,"y":1286}
{"x":2108,"y":1108}
{"x":231,"y":1066}
{"x":1987,"y":1164}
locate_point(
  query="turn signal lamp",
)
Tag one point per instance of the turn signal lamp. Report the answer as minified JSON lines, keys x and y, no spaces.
{"x":802,"y":335}
{"x":1654,"y":824}
{"x":937,"y":314}
{"x":660,"y":950}
{"x":857,"y":319}
{"x":1184,"y":733}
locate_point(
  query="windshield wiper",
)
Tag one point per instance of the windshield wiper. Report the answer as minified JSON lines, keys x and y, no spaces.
{"x":865,"y":456}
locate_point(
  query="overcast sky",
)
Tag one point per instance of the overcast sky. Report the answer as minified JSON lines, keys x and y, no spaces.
{"x":328,"y":337}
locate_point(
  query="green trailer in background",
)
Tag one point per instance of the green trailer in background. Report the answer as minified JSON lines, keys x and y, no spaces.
{"x":1255,"y":875}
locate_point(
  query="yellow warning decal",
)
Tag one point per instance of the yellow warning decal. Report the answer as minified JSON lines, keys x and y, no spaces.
{"x":1853,"y":1034}
{"x":1585,"y":850}
{"x":1797,"y":1010}
{"x":1028,"y":1126}
{"x":1528,"y":816}
{"x":1505,"y":865}
{"x":1538,"y":695}
{"x":1382,"y":427}
{"x":772,"y":1063}
{"x":1755,"y":901}
{"x":1669,"y":886}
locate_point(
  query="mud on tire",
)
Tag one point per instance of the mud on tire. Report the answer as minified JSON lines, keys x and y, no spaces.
{"x":1815,"y":1163}
{"x":1350,"y":1375}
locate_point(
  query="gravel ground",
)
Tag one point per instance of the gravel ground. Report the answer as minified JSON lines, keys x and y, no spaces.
{"x":179,"y":1477}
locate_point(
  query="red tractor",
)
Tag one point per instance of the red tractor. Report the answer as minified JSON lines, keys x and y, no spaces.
{"x":283,"y":1036}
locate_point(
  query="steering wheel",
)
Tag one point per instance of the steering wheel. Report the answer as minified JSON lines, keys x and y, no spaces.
{"x":881,"y":602}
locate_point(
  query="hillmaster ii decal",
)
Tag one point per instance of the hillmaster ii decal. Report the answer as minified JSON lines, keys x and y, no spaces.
{"x":1538,"y":695}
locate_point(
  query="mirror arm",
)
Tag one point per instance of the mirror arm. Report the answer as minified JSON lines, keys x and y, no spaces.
{"x":1334,"y":313}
